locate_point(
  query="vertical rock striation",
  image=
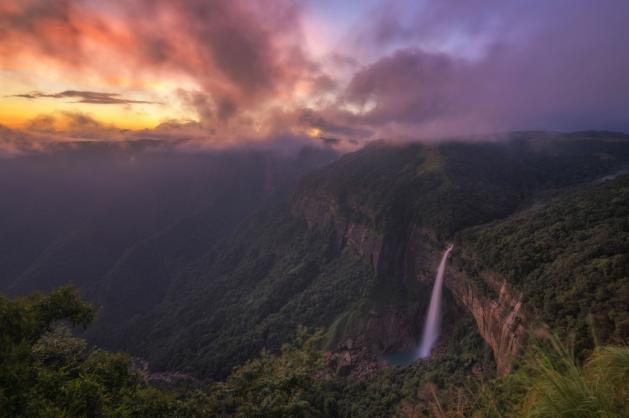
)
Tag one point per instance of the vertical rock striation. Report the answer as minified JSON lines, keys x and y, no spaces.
{"x":414,"y":255}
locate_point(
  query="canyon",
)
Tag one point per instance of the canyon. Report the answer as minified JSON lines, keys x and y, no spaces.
{"x":398,"y":227}
{"x":499,"y":316}
{"x":349,"y":246}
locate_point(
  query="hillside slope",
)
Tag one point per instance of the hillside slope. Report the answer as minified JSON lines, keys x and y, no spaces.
{"x":356,"y":249}
{"x":568,"y":257}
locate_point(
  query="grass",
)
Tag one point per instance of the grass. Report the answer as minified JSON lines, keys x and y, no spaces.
{"x":562,"y":388}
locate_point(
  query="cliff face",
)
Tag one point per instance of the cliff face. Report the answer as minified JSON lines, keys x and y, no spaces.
{"x":321,"y":210}
{"x":496,"y":308}
{"x":499,"y":317}
{"x":398,"y":205}
{"x":414,"y":256}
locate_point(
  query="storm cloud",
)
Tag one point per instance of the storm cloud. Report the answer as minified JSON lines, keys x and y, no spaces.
{"x":494,"y":65}
{"x":245,"y":69}
{"x":90,"y":97}
{"x":241,"y":53}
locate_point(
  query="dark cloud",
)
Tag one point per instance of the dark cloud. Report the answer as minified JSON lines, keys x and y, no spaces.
{"x":241,"y":53}
{"x":331,"y":123}
{"x":90,"y":97}
{"x":408,"y":86}
{"x":329,"y":140}
{"x":48,"y":131}
{"x":63,"y":126}
{"x":324,"y":84}
{"x":436,"y":67}
{"x":492,"y":65}
{"x":42,"y":123}
{"x":342,"y":60}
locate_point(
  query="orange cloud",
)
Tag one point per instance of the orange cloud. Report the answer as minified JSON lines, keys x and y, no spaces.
{"x":241,"y":57}
{"x":240,"y":69}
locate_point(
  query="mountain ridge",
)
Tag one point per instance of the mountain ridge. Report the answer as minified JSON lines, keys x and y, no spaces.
{"x":352,"y":248}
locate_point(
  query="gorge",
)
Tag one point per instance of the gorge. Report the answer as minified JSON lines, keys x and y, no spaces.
{"x":349,"y":246}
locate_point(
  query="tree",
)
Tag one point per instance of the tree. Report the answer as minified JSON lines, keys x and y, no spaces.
{"x":23,"y":321}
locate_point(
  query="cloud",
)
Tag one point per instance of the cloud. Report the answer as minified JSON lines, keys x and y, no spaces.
{"x":489,"y":66}
{"x":409,"y":86}
{"x":242,"y":70}
{"x":241,"y":54}
{"x":330,"y":122}
{"x":89,"y":97}
{"x":64,"y":126}
{"x":47,"y":132}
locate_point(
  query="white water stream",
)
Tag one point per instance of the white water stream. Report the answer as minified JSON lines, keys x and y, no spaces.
{"x":433,"y":319}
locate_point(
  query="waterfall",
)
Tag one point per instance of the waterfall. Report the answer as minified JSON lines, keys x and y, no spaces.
{"x":433,"y":319}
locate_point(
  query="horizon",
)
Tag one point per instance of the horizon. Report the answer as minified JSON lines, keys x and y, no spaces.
{"x":224,"y":73}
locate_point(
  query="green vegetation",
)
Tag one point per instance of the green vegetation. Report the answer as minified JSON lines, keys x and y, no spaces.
{"x":294,"y":383}
{"x":272,"y":274}
{"x":559,"y":387}
{"x":570,"y":257}
{"x":552,"y":383}
{"x":47,"y":372}
{"x":451,"y":186}
{"x":271,"y":277}
{"x":56,"y":374}
{"x":227,"y":303}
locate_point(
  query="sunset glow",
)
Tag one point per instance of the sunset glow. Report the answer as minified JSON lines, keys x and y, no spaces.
{"x":245,"y":70}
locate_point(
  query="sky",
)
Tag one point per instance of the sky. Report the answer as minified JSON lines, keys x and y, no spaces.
{"x":225,"y":72}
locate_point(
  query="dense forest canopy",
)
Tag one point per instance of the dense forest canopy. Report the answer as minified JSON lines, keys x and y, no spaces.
{"x":199,"y":309}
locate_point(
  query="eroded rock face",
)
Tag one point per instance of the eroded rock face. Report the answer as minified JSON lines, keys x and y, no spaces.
{"x":415,"y":256}
{"x":499,"y":318}
{"x":496,"y":308}
{"x":321,"y":210}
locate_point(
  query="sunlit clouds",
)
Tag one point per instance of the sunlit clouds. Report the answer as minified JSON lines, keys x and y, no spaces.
{"x":226,"y":72}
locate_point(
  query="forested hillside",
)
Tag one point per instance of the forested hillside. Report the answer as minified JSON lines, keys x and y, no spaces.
{"x":353,"y":249}
{"x":252,"y":293}
{"x":569,"y":255}
{"x":45,"y":371}
{"x":214,"y":279}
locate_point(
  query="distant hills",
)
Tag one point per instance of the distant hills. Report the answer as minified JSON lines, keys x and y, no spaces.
{"x":199,"y":261}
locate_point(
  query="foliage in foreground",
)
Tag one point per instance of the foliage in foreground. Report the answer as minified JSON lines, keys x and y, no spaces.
{"x":569,"y":256}
{"x":560,"y":388}
{"x":47,"y":372}
{"x":551,"y":383}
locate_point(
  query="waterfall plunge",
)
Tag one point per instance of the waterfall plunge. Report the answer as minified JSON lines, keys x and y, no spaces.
{"x":433,"y":319}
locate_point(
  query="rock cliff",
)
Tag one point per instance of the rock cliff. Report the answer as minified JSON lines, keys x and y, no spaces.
{"x":413,"y":256}
{"x":498,"y":314}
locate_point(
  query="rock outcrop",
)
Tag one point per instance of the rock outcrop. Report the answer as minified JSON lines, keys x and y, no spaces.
{"x":414,"y":255}
{"x":496,"y":308}
{"x":499,"y":315}
{"x":321,"y":210}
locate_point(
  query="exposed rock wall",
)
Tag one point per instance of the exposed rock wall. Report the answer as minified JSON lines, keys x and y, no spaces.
{"x":496,"y":308}
{"x":499,"y":316}
{"x":498,"y":312}
{"x":320,"y":210}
